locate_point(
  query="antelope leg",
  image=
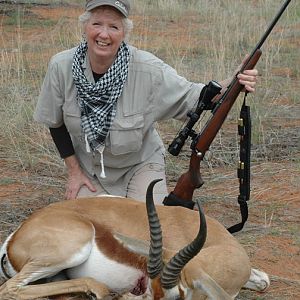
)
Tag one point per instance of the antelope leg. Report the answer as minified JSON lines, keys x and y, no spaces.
{"x":11,"y":291}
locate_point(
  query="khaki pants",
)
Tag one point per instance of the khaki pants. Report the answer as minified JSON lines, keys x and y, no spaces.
{"x":138,"y":184}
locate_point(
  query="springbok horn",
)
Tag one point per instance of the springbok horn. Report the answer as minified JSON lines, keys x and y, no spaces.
{"x":171,"y":272}
{"x":155,"y":263}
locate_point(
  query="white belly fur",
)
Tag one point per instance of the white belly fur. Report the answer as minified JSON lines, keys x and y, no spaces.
{"x":117,"y":277}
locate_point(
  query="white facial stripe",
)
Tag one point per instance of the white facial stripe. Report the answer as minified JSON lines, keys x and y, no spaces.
{"x":172,"y":293}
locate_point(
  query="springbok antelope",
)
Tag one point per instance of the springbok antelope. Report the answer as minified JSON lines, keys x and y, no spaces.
{"x":100,"y":246}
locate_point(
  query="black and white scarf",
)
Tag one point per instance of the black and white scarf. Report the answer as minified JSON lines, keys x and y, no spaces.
{"x":98,"y":101}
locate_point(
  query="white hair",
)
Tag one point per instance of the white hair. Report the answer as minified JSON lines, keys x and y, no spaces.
{"x":127,"y":23}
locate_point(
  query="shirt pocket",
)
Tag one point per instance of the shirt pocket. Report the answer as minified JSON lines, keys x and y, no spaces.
{"x":126,"y":135}
{"x":72,"y":121}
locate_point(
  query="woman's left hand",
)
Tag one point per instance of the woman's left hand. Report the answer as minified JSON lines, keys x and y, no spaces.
{"x":248,"y":78}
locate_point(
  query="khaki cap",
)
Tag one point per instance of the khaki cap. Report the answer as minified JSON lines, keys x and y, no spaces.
{"x":122,"y":6}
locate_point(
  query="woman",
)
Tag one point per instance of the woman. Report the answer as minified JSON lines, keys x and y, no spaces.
{"x":101,"y":100}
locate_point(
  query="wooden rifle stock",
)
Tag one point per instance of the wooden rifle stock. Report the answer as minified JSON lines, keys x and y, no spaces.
{"x":192,"y":179}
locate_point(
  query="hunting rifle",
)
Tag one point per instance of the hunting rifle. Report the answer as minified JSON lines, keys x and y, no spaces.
{"x":182,"y":194}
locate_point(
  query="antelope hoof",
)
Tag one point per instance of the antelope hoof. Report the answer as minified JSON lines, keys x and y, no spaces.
{"x":259,"y":281}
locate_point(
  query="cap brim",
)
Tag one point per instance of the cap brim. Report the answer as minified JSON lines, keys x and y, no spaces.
{"x":123,"y":11}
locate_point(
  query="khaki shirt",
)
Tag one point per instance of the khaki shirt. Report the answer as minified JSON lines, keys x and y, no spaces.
{"x":153,"y":92}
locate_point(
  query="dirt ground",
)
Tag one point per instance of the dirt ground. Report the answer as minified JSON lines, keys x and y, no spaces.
{"x":271,"y":235}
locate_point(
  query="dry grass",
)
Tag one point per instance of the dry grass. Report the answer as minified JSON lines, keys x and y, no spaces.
{"x":201,"y":39}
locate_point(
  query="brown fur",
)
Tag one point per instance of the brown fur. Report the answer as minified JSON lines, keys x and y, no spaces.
{"x":116,"y":251}
{"x":157,"y":290}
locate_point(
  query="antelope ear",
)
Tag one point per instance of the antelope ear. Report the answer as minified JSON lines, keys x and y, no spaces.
{"x":140,"y":247}
{"x":134,"y":245}
{"x":209,"y":287}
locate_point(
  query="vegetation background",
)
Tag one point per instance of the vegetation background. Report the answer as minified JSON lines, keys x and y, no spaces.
{"x":202,"y":40}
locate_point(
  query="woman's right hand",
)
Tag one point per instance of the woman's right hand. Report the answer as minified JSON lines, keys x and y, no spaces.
{"x":76,"y":178}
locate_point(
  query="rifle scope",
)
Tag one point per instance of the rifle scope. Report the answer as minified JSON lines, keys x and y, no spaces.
{"x":208,"y":92}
